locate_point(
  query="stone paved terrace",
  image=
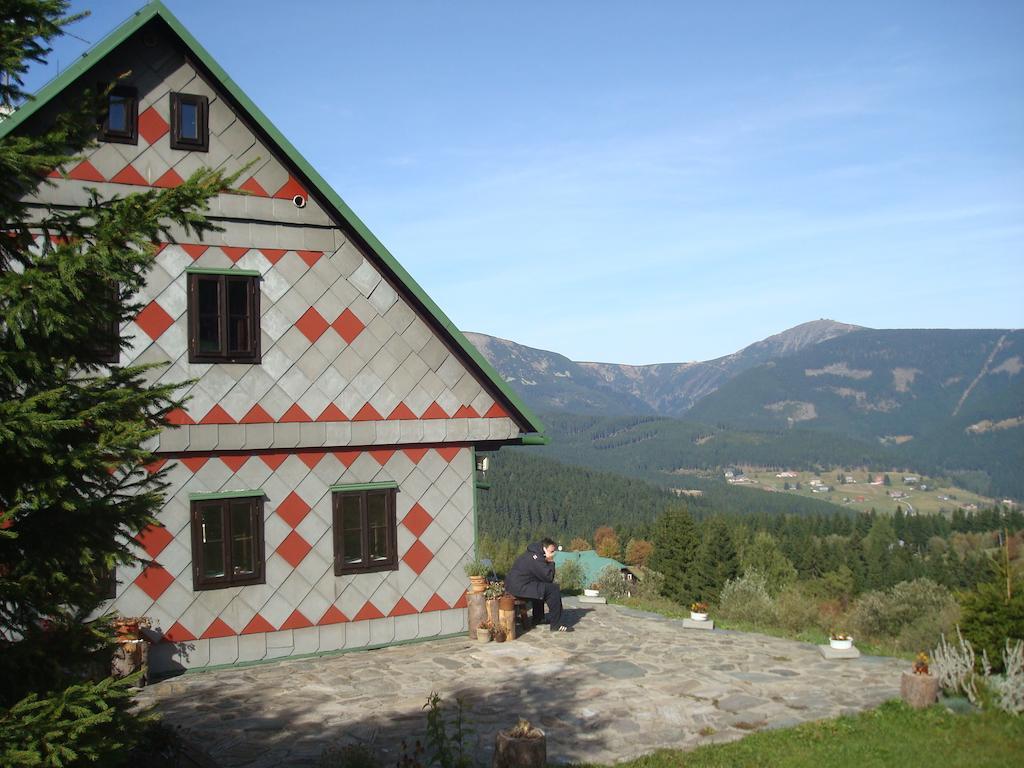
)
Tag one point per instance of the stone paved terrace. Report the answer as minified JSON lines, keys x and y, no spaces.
{"x":623,"y":684}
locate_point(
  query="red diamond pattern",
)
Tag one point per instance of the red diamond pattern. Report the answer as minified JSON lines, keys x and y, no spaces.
{"x":417,"y":520}
{"x":382,"y":456}
{"x":253,"y":187}
{"x":154,"y":539}
{"x":312,"y":324}
{"x":234,"y":253}
{"x":194,"y":249}
{"x":434,"y":411}
{"x":273,"y":460}
{"x":418,"y":557}
{"x":402,"y":411}
{"x":85,"y":171}
{"x":257,"y":415}
{"x":273,"y":254}
{"x":233,"y":462}
{"x":257,"y":625}
{"x":448,"y":454}
{"x":154,"y":320}
{"x":415,"y":454}
{"x":152,"y":126}
{"x":466,"y":412}
{"x":178,"y":417}
{"x":435,"y":603}
{"x":332,"y":413}
{"x":311,"y":458}
{"x":310,"y":257}
{"x":293,"y":509}
{"x":368,"y":611}
{"x":217,"y":415}
{"x":290,"y":189}
{"x":402,"y":608}
{"x":348,"y":325}
{"x":154,"y":581}
{"x":293,"y":414}
{"x":332,"y":616}
{"x":195,"y":463}
{"x":169,"y":179}
{"x":461,"y":602}
{"x":176,"y":633}
{"x":217,"y":629}
{"x":128,"y":175}
{"x":293,"y":549}
{"x":495,"y":412}
{"x":367,"y":413}
{"x":296,"y":621}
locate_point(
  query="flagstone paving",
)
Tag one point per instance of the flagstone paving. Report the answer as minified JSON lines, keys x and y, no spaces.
{"x":623,"y":684}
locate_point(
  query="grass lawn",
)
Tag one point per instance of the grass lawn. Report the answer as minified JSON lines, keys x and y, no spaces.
{"x":892,"y":735}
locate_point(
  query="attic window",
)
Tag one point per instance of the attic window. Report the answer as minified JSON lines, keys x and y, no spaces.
{"x":189,"y":122}
{"x":119,"y":121}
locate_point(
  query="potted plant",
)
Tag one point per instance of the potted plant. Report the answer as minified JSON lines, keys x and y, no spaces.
{"x":921,"y":664}
{"x":483,"y":632}
{"x":521,"y":746}
{"x":493,"y":591}
{"x":500,"y":636}
{"x":594,"y":590}
{"x":477,"y":573}
{"x":840,"y":641}
{"x":699,"y":611}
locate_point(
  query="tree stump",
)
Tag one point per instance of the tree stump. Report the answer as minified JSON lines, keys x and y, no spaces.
{"x":919,"y":691}
{"x":520,"y":751}
{"x":477,"y":612}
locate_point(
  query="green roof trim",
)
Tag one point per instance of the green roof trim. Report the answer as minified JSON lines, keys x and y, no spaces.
{"x":226,"y":495}
{"x":218,"y":271}
{"x":345,"y":487}
{"x":157,"y":9}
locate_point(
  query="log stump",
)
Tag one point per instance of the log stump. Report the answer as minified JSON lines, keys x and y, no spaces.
{"x":477,"y":612}
{"x":520,"y":751}
{"x":919,"y":691}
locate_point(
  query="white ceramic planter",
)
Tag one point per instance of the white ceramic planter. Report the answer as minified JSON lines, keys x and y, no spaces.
{"x":591,"y":592}
{"x":694,"y":616}
{"x":841,"y":645}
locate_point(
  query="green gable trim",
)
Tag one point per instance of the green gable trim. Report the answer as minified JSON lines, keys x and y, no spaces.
{"x":157,"y":9}
{"x":216,"y":271}
{"x":363,"y":487}
{"x":226,"y":495}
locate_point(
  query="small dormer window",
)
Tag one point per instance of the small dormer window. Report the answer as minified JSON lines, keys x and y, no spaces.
{"x":189,"y":123}
{"x":120,"y":119}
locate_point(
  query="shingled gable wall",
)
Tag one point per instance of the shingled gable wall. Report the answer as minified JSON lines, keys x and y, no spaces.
{"x":354,"y":386}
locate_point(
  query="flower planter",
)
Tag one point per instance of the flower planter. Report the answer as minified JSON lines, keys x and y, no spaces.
{"x":483,"y":635}
{"x":520,"y":751}
{"x":507,"y":603}
{"x":592,"y":592}
{"x":696,"y":616}
{"x":477,"y":584}
{"x":841,"y":645}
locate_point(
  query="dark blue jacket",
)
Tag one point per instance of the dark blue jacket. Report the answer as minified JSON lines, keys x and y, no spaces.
{"x":529,"y":573}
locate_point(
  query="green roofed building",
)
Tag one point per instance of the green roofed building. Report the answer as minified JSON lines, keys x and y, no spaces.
{"x":591,"y":562}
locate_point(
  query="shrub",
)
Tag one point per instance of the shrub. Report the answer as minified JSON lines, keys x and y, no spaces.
{"x":747,"y":599}
{"x":650,"y":584}
{"x":913,"y":614}
{"x":989,"y":618}
{"x":476,"y":568}
{"x":796,"y":610}
{"x":570,"y":575}
{"x":611,"y":583}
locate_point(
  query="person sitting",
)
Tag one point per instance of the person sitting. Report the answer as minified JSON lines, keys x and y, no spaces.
{"x":532,"y":576}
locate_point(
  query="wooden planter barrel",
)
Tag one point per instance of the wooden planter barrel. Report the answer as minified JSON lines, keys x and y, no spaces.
{"x":476,"y":612}
{"x":507,"y":616}
{"x":919,"y":691}
{"x":520,"y":752}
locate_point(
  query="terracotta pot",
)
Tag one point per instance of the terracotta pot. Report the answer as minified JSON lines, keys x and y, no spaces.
{"x":507,"y":602}
{"x":519,"y":752}
{"x":477,"y":584}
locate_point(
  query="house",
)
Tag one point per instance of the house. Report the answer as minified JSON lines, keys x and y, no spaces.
{"x":592,"y":564}
{"x":322,"y":474}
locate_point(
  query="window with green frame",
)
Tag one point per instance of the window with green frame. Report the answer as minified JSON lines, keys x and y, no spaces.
{"x":365,"y":530}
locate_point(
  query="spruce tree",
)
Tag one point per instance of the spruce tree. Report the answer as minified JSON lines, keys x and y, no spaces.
{"x":74,"y":490}
{"x":676,"y":544}
{"x":717,"y":561}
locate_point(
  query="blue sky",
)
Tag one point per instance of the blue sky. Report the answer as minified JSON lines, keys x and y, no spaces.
{"x":656,"y":181}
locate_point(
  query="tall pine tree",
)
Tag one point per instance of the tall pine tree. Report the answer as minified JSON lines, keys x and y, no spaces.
{"x":676,"y":544}
{"x":717,"y":561}
{"x":74,"y":490}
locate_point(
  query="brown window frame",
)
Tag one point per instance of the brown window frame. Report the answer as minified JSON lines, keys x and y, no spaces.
{"x":105,"y":346}
{"x":131,"y":134}
{"x":223,"y":354}
{"x":366,"y":566}
{"x":202,"y":104}
{"x":230,"y":578}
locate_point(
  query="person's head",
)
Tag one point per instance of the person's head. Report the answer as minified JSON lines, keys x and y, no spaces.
{"x":549,"y":546}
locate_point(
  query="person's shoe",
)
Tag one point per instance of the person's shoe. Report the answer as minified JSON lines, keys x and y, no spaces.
{"x":562,"y":628}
